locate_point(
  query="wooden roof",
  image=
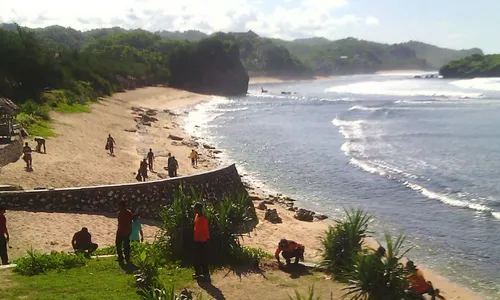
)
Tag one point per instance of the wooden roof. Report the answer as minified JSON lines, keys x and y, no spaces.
{"x":8,"y":107}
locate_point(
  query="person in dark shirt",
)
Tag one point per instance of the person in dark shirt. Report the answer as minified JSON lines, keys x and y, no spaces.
{"x":143,"y":169}
{"x":123,"y":232}
{"x":40,"y":142}
{"x":4,"y":237}
{"x":170,"y":165}
{"x":27,"y":156}
{"x":290,"y":250}
{"x":151,"y":157}
{"x":110,"y":145}
{"x":82,"y":242}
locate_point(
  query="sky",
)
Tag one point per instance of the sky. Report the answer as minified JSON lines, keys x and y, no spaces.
{"x":457,"y":24}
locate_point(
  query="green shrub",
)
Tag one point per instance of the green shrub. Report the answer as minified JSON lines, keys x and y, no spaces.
{"x":247,"y":256}
{"x":111,"y":250}
{"x":343,"y":242}
{"x":33,"y":109}
{"x":35,"y":263}
{"x":310,"y":295}
{"x":381,"y":278}
{"x":227,"y":219}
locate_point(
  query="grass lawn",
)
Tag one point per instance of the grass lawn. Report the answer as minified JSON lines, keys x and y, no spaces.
{"x":100,"y":279}
{"x":75,"y":108}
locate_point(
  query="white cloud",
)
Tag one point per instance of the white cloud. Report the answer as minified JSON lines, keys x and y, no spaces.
{"x":372,"y":21}
{"x":306,"y":18}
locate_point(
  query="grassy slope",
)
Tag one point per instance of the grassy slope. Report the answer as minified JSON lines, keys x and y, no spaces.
{"x":101,"y":279}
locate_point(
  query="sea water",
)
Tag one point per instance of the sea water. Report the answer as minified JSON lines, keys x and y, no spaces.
{"x":422,"y":155}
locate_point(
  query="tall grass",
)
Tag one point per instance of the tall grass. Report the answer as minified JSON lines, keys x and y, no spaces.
{"x":310,"y":295}
{"x":343,"y":242}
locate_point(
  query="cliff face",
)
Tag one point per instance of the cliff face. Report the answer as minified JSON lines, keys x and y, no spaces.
{"x":211,"y":67}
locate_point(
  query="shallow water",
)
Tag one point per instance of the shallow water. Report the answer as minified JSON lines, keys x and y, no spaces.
{"x":420,"y":154}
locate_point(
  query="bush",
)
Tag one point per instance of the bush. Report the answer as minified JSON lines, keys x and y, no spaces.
{"x":381,"y":278}
{"x":33,"y":109}
{"x":343,"y":242}
{"x":227,"y":219}
{"x":35,"y":263}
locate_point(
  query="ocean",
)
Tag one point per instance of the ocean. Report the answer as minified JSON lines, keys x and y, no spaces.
{"x":421,"y":155}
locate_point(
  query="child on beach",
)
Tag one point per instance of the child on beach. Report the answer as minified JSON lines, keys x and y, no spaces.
{"x":418,"y":283}
{"x":136,"y":235}
{"x":4,"y":237}
{"x":193,"y":155}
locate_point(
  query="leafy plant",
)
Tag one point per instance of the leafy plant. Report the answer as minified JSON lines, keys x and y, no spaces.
{"x":149,"y":258}
{"x":35,"y":263}
{"x":309,"y":296}
{"x":381,"y":278}
{"x":343,"y":242}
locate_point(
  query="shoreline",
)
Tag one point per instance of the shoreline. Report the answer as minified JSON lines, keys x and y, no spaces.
{"x":114,"y":113}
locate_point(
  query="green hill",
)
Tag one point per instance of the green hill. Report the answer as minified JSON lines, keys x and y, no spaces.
{"x":298,"y":58}
{"x":476,"y":65}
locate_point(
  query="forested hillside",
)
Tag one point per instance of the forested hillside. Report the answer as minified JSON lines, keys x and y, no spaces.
{"x":473,"y":66}
{"x":298,"y":58}
{"x":40,"y":70}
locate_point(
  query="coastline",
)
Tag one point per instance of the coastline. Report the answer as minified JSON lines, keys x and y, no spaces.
{"x":273,"y":79}
{"x":114,"y":113}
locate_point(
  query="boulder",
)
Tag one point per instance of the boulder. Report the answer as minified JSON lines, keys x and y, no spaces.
{"x":262,"y":205}
{"x":216,"y":152}
{"x":130,"y":130}
{"x":304,"y":215}
{"x":191,"y":143}
{"x":320,"y":217}
{"x":151,"y":112}
{"x":206,"y":146}
{"x":272,"y":216}
{"x":175,"y":137}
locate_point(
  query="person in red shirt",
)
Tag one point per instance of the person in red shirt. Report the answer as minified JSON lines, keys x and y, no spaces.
{"x":418,"y":284}
{"x":123,"y":232}
{"x":82,"y":242}
{"x":201,"y":237}
{"x":289,"y":249}
{"x":4,"y":237}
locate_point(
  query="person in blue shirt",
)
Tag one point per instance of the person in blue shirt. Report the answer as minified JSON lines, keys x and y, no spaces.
{"x":136,"y":235}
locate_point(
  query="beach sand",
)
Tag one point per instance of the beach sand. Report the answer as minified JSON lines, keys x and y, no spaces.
{"x":76,"y":157}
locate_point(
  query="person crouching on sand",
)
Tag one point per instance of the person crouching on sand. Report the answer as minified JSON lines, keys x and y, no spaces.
{"x":418,"y":283}
{"x":201,"y":237}
{"x":82,"y":242}
{"x":289,"y":249}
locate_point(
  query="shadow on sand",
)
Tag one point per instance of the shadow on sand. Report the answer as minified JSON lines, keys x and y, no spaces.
{"x":212,"y":290}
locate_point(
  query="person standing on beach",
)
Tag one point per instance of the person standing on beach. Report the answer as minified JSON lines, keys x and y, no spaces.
{"x":136,"y":235}
{"x":27,"y":156}
{"x":110,"y":145}
{"x":123,"y":232}
{"x":176,"y":165}
{"x":193,"y":156}
{"x":143,"y":169}
{"x":201,"y":237}
{"x":170,"y":166}
{"x":4,"y":237}
{"x":151,"y":157}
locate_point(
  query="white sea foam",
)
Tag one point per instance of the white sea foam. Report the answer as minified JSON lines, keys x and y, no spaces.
{"x":399,"y":88}
{"x":487,"y":84}
{"x":366,"y":108}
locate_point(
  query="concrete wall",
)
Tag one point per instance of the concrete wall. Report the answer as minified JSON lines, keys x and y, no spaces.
{"x":10,"y":153}
{"x":146,"y":197}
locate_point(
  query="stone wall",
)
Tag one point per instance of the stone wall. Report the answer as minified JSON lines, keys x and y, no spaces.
{"x":146,"y":197}
{"x":10,"y":153}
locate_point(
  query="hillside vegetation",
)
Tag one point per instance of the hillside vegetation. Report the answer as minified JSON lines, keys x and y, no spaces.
{"x":298,"y":58}
{"x":473,"y":66}
{"x":55,"y":67}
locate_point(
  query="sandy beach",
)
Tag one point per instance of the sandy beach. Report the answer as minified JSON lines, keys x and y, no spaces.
{"x":76,"y":157}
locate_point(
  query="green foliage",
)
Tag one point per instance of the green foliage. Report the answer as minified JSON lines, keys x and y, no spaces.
{"x":36,"y":126}
{"x":343,"y":242}
{"x":377,"y":278}
{"x":111,"y":250}
{"x":227,"y":220}
{"x":436,"y":56}
{"x":473,"y":66}
{"x":35,"y":263}
{"x":75,"y":108}
{"x":309,"y":296}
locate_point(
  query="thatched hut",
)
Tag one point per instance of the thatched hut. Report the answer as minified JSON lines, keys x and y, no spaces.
{"x":8,"y":110}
